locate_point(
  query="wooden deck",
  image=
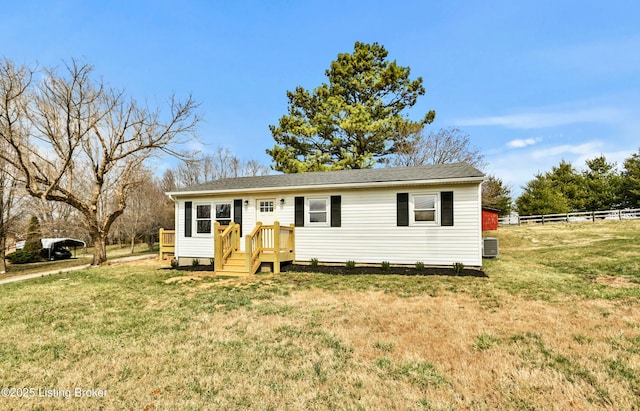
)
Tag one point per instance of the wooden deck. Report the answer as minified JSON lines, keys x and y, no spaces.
{"x":265,"y":244}
{"x":167,"y":243}
{"x":272,"y":244}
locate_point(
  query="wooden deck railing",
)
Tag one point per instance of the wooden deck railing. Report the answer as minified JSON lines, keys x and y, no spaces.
{"x":269,"y":243}
{"x":167,"y":239}
{"x":225,"y":242}
{"x":253,"y":247}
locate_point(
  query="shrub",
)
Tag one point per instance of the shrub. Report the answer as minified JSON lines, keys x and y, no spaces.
{"x":314,"y":263}
{"x":23,"y":257}
{"x":385,"y":265}
{"x":350,"y":265}
{"x":458,"y":268}
{"x":419,"y":266}
{"x":174,"y":264}
{"x":195,"y":262}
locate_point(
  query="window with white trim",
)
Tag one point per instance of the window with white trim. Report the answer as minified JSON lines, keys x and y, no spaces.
{"x":266,"y":206}
{"x":424,"y":209}
{"x":223,"y":213}
{"x":318,"y":211}
{"x":203,"y":218}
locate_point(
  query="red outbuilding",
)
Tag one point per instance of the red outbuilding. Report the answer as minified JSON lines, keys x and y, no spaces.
{"x":489,"y":219}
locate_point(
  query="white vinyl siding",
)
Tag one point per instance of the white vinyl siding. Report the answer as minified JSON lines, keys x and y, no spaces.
{"x":370,"y":234}
{"x":369,"y":231}
{"x":199,"y":245}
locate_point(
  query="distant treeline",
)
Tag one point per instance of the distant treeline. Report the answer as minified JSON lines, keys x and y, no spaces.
{"x":601,"y":186}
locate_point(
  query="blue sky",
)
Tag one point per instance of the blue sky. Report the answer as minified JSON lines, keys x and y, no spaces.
{"x":531,"y":82}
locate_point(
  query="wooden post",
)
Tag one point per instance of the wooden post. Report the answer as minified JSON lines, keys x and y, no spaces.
{"x":234,"y":239}
{"x":161,"y":241}
{"x":292,"y":241}
{"x":259,"y":234}
{"x":217,"y":247}
{"x":276,"y":246}
{"x":248,"y":252}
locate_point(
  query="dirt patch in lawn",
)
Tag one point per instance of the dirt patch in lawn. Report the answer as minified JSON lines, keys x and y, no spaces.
{"x":616,"y":282}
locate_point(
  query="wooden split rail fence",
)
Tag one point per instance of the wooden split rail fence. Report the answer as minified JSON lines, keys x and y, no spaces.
{"x":574,"y":217}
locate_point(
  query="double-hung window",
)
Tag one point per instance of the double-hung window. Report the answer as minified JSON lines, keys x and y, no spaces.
{"x":318,"y":211}
{"x":223,"y":213}
{"x":424,"y":209}
{"x":203,"y":218}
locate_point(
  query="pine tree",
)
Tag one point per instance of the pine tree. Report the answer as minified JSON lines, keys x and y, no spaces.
{"x":630,"y":182}
{"x":542,"y":196}
{"x":34,"y":235}
{"x":354,"y":120}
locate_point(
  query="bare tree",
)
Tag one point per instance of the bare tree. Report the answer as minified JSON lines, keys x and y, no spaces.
{"x":255,"y":168}
{"x":221,"y":164}
{"x":10,"y":210}
{"x":79,"y":142}
{"x":447,"y":145}
{"x":148,"y":210}
{"x":58,"y":219}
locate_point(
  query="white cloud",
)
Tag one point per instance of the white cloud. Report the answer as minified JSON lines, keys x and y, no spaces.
{"x":591,"y":149}
{"x":520,"y":143}
{"x":517,"y":167}
{"x":546,"y":118}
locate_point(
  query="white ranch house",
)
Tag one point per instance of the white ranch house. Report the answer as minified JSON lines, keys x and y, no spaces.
{"x":429,"y":214}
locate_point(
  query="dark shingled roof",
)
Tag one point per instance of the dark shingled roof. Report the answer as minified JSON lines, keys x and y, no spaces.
{"x":326,"y":178}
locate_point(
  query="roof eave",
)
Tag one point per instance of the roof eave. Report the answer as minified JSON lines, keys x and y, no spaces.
{"x":320,"y":187}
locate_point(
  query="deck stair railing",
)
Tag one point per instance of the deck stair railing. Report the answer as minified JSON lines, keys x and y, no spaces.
{"x":273,"y":243}
{"x":264,"y":244}
{"x":167,"y":240}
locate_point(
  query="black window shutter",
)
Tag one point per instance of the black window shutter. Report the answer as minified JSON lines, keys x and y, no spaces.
{"x":446,"y":208}
{"x":336,"y":211}
{"x":187,"y":218}
{"x":299,"y":211}
{"x":402,"y":209}
{"x":237,"y":213}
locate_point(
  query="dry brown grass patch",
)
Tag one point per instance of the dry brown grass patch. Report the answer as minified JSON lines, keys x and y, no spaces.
{"x":616,"y":282}
{"x":532,"y":356}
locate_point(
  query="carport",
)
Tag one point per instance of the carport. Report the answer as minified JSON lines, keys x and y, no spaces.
{"x":49,"y":244}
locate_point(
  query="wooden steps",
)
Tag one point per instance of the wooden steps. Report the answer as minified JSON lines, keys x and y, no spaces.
{"x":265,"y":244}
{"x":235,"y":265}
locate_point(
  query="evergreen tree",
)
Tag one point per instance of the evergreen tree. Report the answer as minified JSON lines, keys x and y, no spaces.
{"x":630,"y":182}
{"x":542,"y":196}
{"x":354,"y":120}
{"x":602,"y":184}
{"x":32,"y":243}
{"x":570,"y":184}
{"x":496,"y":195}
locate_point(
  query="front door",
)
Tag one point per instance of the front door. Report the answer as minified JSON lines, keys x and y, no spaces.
{"x":266,"y":210}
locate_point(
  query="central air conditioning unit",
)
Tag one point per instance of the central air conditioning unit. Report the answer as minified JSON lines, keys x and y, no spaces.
{"x":489,"y":247}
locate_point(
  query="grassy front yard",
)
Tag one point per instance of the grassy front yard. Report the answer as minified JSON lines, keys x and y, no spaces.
{"x":80,"y":257}
{"x":556,"y":325}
